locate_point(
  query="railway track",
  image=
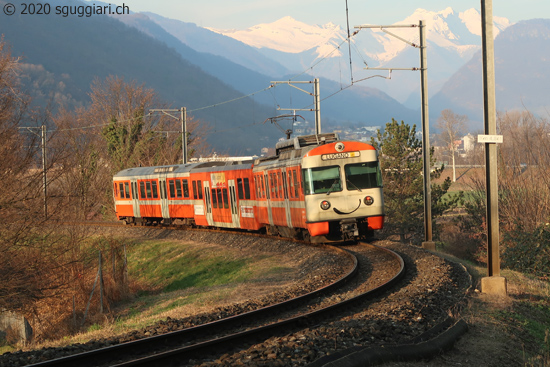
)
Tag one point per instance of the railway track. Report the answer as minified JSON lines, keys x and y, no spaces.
{"x":351,"y":314}
{"x":225,"y":335}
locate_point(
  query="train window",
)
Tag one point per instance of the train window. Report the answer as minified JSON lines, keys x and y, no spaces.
{"x":274,"y":187}
{"x":277,"y":183}
{"x":171,"y":189}
{"x":142,"y":190}
{"x":363,"y":175}
{"x":246,"y":184}
{"x":199,"y":188}
{"x":220,"y":199}
{"x":214,"y":199}
{"x":155,"y":190}
{"x":207,"y":200}
{"x":233,"y":200}
{"x":225,"y":201}
{"x":127,"y":190}
{"x":267,"y":194}
{"x":296,"y":184}
{"x":322,"y":180}
{"x":178,"y":188}
{"x":148,"y":189}
{"x":290,"y":184}
{"x":162,"y":189}
{"x":282,"y":185}
{"x":195,"y":195}
{"x":185,"y":188}
{"x":285,"y":189}
{"x":120,"y":191}
{"x":256,"y":186}
{"x":263,"y":186}
{"x":240,"y":188}
{"x":277,"y":188}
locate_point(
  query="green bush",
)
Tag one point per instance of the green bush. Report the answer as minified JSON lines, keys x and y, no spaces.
{"x":527,"y":251}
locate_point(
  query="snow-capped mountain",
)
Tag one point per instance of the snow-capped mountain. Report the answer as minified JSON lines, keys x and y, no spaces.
{"x":452,"y":38}
{"x":459,"y":33}
{"x":289,"y":48}
{"x":287,"y":35}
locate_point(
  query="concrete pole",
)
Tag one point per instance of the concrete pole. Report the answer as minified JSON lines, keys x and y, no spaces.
{"x":44,"y":176}
{"x":184,"y":133}
{"x":428,"y":243}
{"x":317,"y":107}
{"x":495,"y":283}
{"x":101,"y":285}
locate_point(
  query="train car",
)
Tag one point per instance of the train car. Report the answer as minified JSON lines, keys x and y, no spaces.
{"x":315,"y":187}
{"x":228,"y":201}
{"x":213,"y":194}
{"x":320,"y":188}
{"x":154,"y":194}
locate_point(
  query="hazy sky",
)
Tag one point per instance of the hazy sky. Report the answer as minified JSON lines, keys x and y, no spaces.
{"x":241,"y":14}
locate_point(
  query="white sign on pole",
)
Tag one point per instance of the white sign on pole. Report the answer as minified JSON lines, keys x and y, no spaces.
{"x":489,"y":138}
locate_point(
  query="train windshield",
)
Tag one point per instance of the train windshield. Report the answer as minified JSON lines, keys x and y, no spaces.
{"x":322,"y":180}
{"x":364,"y":175}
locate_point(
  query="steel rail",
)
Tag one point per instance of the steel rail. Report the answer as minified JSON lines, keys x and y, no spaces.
{"x":191,"y":351}
{"x":177,"y":338}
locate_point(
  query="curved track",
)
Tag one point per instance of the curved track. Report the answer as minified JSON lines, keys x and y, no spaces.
{"x":240,"y":330}
{"x":177,"y":338}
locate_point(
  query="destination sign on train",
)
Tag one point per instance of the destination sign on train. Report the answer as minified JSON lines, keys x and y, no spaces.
{"x":328,"y":157}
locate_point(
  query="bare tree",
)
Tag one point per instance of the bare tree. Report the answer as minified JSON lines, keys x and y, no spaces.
{"x":25,"y":256}
{"x":85,"y":171}
{"x":452,"y":127}
{"x":133,"y":135}
{"x":524,"y":169}
{"x":116,"y":132}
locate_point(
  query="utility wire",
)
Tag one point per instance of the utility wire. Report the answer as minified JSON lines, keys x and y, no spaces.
{"x":326,"y":56}
{"x":231,"y":100}
{"x":349,"y":44}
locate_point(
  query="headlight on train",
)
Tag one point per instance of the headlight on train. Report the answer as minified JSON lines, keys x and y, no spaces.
{"x":325,"y":205}
{"x":368,"y":200}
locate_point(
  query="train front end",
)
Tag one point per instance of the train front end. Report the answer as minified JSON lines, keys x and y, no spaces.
{"x":343,"y":190}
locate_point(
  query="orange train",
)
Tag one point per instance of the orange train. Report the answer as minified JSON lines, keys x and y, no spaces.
{"x":316,"y":187}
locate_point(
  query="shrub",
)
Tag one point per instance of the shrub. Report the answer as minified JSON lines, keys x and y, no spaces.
{"x":527,"y":251}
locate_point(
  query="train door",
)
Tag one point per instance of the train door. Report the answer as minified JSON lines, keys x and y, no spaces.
{"x":208,"y":203}
{"x":163,"y":199}
{"x":233,"y":204}
{"x":135,"y":199}
{"x":286,"y":200}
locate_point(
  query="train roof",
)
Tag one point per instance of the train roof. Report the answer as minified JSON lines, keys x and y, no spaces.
{"x":182,"y":168}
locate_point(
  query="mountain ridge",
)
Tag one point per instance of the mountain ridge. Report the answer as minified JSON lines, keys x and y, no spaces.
{"x":297,"y":46}
{"x":521,"y":82}
{"x":61,"y":63}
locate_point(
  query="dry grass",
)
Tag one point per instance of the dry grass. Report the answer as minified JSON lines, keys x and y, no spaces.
{"x":264,"y":274}
{"x":503,"y":330}
{"x":464,"y":177}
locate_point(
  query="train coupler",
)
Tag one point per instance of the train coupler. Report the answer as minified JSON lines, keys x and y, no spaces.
{"x":349,"y":229}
